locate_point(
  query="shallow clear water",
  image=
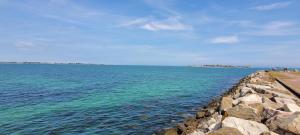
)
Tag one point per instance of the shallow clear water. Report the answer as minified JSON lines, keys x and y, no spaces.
{"x":94,"y":99}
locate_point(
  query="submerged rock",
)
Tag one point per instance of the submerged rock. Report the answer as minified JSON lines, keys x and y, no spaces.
{"x":169,"y":131}
{"x":246,"y":127}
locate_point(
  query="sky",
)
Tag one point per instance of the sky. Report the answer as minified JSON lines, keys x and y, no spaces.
{"x":152,"y":32}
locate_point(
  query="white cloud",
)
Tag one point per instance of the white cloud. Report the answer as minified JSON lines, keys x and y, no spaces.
{"x":156,"y":26}
{"x":225,"y":40}
{"x":151,"y":24}
{"x":276,"y":28}
{"x":24,"y":45}
{"x":272,"y":6}
{"x":135,"y":22}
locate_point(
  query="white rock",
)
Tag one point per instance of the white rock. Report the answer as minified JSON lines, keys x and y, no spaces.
{"x":282,"y":101}
{"x":246,"y":127}
{"x":246,"y":90}
{"x":215,"y":122}
{"x":214,"y":126}
{"x":197,"y":132}
{"x":291,"y":108}
{"x":249,"y":99}
{"x":258,"y":88}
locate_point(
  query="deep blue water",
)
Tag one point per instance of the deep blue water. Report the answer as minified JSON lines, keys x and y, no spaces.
{"x":95,"y":99}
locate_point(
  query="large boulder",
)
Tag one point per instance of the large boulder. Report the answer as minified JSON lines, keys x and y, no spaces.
{"x":250,"y":99}
{"x":197,"y":132}
{"x":226,"y":131}
{"x":259,"y":88}
{"x":246,"y":90}
{"x":267,"y":103}
{"x":244,"y":112}
{"x":246,"y":127}
{"x":269,"y":113}
{"x":215,"y":122}
{"x":258,"y":107}
{"x":285,"y":123}
{"x":269,"y":133}
{"x":226,"y":103}
{"x":281,"y":101}
{"x":291,"y":108}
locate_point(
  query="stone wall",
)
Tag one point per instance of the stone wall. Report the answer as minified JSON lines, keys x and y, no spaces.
{"x":257,"y":105}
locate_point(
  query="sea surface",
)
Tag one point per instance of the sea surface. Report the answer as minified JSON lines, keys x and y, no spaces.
{"x":107,"y":100}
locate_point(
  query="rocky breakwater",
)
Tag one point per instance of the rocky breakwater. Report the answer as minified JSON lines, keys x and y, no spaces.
{"x":257,"y":105}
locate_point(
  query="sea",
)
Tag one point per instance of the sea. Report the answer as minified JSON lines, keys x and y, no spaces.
{"x":69,"y":99}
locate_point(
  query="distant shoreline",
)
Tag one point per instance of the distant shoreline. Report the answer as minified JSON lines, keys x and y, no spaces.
{"x":78,"y":63}
{"x":53,"y":63}
{"x":220,"y":66}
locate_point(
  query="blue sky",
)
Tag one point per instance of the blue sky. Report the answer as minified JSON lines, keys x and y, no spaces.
{"x":152,"y":32}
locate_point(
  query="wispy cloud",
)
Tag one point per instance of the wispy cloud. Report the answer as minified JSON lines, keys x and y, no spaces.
{"x":272,"y":6}
{"x":165,"y":25}
{"x":65,"y":11}
{"x":225,"y":40}
{"x":276,"y":28}
{"x":151,"y":24}
{"x":163,"y":5}
{"x":24,"y":45}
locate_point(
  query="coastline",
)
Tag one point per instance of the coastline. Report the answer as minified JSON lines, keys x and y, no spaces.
{"x":257,"y":104}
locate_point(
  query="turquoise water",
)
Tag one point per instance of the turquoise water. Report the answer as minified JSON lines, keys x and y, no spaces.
{"x":95,"y":99}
